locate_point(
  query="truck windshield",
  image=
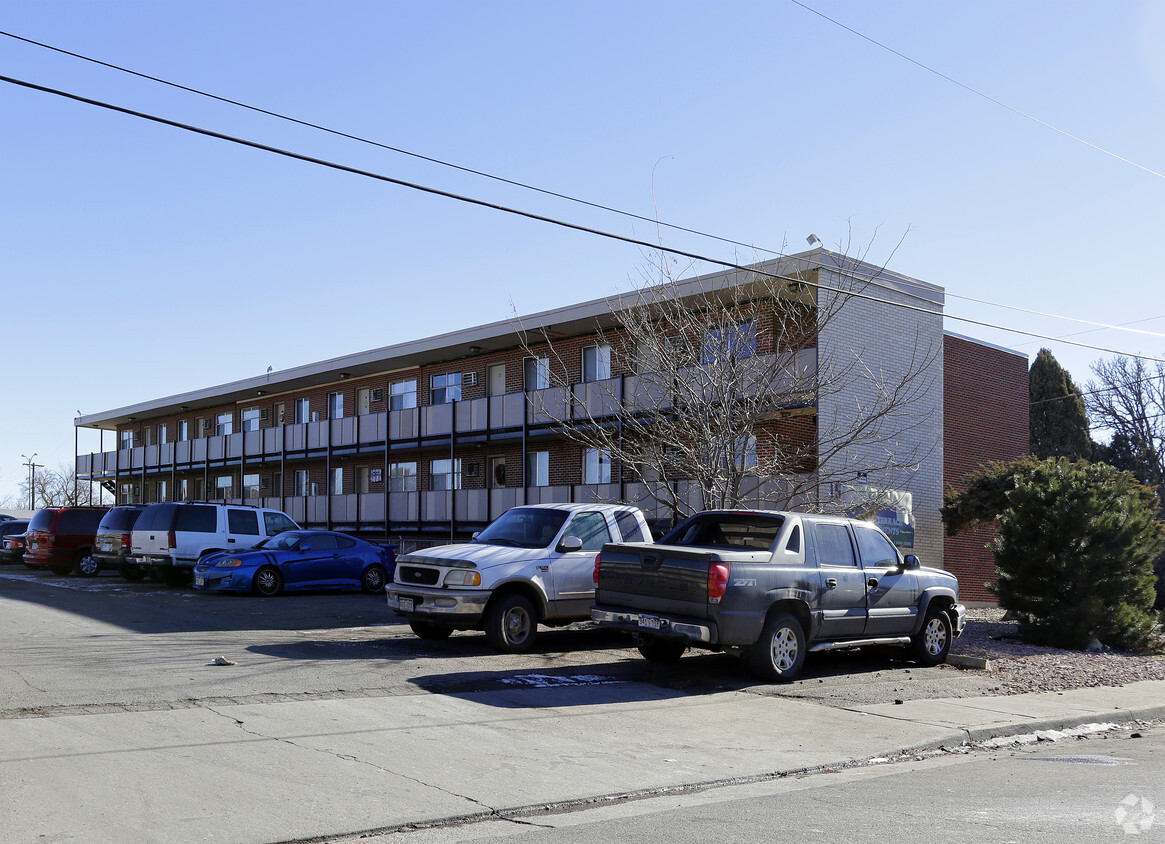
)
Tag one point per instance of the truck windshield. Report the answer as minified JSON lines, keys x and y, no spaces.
{"x":524,"y":527}
{"x":742,"y":531}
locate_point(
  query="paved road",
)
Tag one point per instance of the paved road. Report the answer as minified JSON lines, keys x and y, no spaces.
{"x":76,"y":644}
{"x":1103,"y":789}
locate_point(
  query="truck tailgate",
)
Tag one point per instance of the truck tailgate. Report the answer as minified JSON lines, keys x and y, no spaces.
{"x":655,"y":578}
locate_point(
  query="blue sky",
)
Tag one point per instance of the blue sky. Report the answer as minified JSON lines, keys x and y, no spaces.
{"x":140,"y":261}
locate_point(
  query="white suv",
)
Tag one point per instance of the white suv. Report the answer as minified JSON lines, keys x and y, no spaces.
{"x":172,"y":537}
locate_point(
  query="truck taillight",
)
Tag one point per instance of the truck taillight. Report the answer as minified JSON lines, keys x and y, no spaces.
{"x":598,"y":557}
{"x":717,"y":582}
{"x":126,"y":540}
{"x":172,"y":540}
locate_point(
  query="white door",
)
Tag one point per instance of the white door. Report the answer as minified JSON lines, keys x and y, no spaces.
{"x":363,"y":401}
{"x":497,"y":379}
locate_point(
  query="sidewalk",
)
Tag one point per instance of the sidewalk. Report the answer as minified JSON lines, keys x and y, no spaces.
{"x":298,"y":770}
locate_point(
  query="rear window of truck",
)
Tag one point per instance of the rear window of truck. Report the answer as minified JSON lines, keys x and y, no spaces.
{"x":737,"y":531}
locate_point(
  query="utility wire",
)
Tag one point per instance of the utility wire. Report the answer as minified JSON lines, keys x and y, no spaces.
{"x":532,"y":216}
{"x":977,"y":93}
{"x":525,"y":186}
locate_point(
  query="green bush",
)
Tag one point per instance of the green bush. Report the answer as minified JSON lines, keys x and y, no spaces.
{"x":1075,"y":554}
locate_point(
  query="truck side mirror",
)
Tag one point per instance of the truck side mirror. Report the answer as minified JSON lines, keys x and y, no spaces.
{"x":568,"y":544}
{"x":912,"y":562}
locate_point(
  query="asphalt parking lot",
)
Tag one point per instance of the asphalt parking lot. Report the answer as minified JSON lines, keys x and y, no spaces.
{"x":103,"y":644}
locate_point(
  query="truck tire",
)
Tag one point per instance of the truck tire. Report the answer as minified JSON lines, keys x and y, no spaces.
{"x":432,"y":631}
{"x":654,"y":649}
{"x":85,"y":565}
{"x":511,"y":625}
{"x":779,"y":654}
{"x":933,"y":642}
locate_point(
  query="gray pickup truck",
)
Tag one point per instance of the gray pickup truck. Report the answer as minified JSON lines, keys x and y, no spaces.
{"x":772,"y":586}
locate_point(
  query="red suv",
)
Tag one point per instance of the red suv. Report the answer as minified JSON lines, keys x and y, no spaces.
{"x":61,"y":538}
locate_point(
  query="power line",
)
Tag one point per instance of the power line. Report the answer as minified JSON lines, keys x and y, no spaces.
{"x":977,"y":93}
{"x":529,"y":214}
{"x":544,"y":191}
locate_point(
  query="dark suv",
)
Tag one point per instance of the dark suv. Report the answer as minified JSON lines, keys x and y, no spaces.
{"x":112,"y":543}
{"x":8,"y":529}
{"x":60,"y":538}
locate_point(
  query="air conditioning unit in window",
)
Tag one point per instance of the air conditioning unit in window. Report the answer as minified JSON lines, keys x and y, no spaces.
{"x":377,"y":395}
{"x":207,"y":424}
{"x":471,"y":469}
{"x":264,"y":483}
{"x":469,"y":379}
{"x":263,"y":413}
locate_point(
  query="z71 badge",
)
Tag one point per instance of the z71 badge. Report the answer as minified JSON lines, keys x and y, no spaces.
{"x":744,"y":581}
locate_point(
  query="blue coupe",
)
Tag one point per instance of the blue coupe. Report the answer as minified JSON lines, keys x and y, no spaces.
{"x":299,"y":559}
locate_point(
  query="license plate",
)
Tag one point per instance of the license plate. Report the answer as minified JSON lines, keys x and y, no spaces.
{"x":406,"y":604}
{"x":199,"y":580}
{"x":107,"y":547}
{"x":651,"y":622}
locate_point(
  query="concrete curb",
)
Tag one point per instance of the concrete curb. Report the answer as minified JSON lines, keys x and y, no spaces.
{"x":976,"y":662}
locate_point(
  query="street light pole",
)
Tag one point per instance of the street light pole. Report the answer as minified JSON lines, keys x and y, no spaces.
{"x":31,"y":478}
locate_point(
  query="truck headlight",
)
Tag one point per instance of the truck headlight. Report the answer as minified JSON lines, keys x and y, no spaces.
{"x":463,"y":578}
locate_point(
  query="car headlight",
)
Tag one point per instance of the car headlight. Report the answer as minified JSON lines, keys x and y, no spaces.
{"x":228,"y":564}
{"x":463,"y":578}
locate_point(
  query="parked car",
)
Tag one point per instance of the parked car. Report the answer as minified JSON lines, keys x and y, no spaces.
{"x":772,"y":586}
{"x":172,"y":537}
{"x":61,"y":538}
{"x":299,"y":559}
{"x":112,"y":543}
{"x":12,"y":540}
{"x":533,"y":565}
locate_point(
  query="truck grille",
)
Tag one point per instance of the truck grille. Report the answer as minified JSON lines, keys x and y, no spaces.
{"x":417,"y":576}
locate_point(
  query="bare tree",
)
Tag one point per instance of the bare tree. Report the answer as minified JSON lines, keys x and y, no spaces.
{"x":60,"y":488}
{"x":1128,"y":398}
{"x":718,"y":385}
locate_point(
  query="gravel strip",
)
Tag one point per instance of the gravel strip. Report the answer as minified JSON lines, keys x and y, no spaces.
{"x":1021,"y":668}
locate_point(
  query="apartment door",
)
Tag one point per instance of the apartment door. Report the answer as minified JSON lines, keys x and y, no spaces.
{"x":497,"y":472}
{"x":363,"y":401}
{"x":497,"y":379}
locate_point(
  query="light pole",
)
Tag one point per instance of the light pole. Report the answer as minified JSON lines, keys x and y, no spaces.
{"x":31,"y":477}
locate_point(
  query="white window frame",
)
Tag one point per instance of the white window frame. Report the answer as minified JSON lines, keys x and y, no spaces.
{"x":535,"y":372}
{"x":402,"y":394}
{"x":447,"y":468}
{"x":596,"y":466}
{"x":335,"y":405}
{"x":224,"y":424}
{"x":302,"y":482}
{"x":402,"y":476}
{"x":600,"y":367}
{"x":302,"y":411}
{"x":449,"y":390}
{"x":538,"y":468}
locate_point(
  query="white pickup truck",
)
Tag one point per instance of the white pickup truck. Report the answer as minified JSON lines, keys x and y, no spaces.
{"x":533,"y":565}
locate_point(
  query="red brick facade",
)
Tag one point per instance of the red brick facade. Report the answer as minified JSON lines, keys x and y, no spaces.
{"x":985,"y":418}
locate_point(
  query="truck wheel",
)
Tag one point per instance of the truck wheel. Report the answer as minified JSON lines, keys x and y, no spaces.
{"x":933,"y":642}
{"x":132,"y":573}
{"x":85,"y":565}
{"x":661,"y":650}
{"x":780,"y":652}
{"x":511,"y":624}
{"x":431,"y":630}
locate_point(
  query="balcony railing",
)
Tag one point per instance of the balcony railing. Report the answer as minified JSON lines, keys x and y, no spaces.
{"x":511,"y":411}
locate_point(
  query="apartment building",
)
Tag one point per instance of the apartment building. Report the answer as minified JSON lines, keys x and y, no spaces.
{"x":430,"y":439}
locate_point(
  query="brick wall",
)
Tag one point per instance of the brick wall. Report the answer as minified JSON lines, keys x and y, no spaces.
{"x":985,"y":400}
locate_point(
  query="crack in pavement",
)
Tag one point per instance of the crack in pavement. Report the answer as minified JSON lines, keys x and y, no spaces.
{"x":492,"y":812}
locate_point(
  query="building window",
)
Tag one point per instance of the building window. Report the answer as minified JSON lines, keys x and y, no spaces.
{"x":126,"y":439}
{"x":301,"y":487}
{"x":182,"y":430}
{"x":538,"y":468}
{"x":596,"y":363}
{"x":302,"y":411}
{"x":223,"y":487}
{"x":251,"y":419}
{"x":182,"y":490}
{"x":335,"y":405}
{"x":129,"y":494}
{"x":536,"y":373}
{"x":162,"y":433}
{"x":596,"y":466}
{"x":250,"y":486}
{"x":402,"y":477}
{"x":224,"y":424}
{"x":336,"y":481}
{"x":403,"y":394}
{"x":446,"y":474}
{"x":446,"y":388}
{"x":730,"y":343}
{"x":162,"y":490}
